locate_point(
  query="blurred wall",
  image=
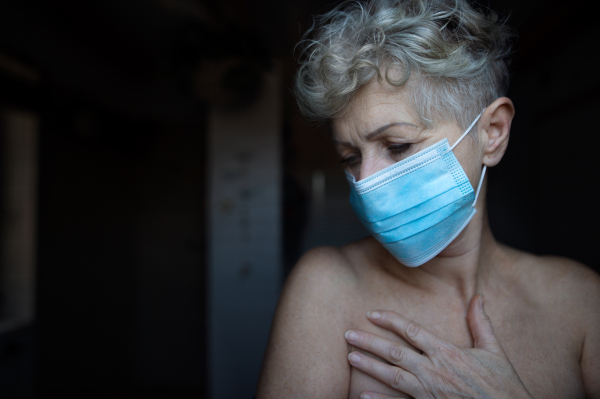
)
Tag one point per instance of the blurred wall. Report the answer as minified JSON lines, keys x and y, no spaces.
{"x":244,"y":238}
{"x":121,"y":255}
{"x":120,"y":270}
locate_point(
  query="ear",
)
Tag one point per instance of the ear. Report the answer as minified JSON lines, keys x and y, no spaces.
{"x":495,"y":126}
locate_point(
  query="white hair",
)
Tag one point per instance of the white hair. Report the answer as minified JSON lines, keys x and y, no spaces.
{"x":454,"y":55}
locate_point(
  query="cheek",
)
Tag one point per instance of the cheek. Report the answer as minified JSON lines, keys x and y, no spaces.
{"x":471,"y":160}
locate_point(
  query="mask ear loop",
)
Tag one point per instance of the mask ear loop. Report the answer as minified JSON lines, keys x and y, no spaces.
{"x":467,"y":131}
{"x":479,"y":186}
{"x":484,"y":167}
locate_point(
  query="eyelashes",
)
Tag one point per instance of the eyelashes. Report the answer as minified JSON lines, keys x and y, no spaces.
{"x":394,"y":149}
{"x":398,"y":149}
{"x":353,"y":160}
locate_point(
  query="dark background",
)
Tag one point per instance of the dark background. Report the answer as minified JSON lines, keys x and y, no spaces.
{"x":122,"y":96}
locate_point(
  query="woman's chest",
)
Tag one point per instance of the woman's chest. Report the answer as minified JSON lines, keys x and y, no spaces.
{"x":544,"y":360}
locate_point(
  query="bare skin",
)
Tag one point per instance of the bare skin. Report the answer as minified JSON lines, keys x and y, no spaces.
{"x":545,"y":311}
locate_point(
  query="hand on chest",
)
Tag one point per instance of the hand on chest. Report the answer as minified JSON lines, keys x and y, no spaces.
{"x":540,"y":357}
{"x":452,"y":328}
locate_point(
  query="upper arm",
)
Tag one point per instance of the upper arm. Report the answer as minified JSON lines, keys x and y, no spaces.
{"x":590,"y":356}
{"x":307,"y":354}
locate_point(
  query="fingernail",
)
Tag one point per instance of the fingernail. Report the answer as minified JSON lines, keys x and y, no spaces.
{"x":365,"y":396}
{"x":481,"y":300}
{"x":351,"y":336}
{"x":373,"y":315}
{"x":354,"y":358}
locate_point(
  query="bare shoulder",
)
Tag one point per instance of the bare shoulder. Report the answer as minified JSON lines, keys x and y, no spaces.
{"x":566,"y":291}
{"x":558,"y":280}
{"x":321,"y":267}
{"x":338,"y":270}
{"x":307,"y":352}
{"x":572,"y":277}
{"x":572,"y":292}
{"x":566,"y":294}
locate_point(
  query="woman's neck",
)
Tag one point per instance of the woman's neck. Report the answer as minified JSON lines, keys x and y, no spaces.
{"x":460,"y":269}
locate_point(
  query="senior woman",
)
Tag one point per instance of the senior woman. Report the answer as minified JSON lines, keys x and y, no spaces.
{"x":414,"y":90}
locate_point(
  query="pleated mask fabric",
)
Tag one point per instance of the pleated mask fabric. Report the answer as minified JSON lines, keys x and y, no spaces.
{"x":416,"y":207}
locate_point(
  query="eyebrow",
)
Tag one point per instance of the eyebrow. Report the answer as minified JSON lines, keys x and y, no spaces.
{"x":377,"y":132}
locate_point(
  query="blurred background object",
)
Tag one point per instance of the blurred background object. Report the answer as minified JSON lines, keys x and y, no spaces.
{"x":244,"y":237}
{"x":158,"y":183}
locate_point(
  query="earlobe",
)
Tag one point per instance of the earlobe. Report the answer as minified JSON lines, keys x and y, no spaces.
{"x":497,"y":120}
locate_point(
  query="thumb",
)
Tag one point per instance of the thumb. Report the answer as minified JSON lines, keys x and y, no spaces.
{"x":481,"y":327}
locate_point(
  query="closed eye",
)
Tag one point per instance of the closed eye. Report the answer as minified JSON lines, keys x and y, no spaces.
{"x":398,"y":149}
{"x":351,"y":160}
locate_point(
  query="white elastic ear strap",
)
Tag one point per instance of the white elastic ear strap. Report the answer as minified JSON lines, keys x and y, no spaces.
{"x":484,"y":167}
{"x":479,"y":186}
{"x":467,"y":131}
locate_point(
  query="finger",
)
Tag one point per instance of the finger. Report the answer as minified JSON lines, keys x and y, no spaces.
{"x":375,"y":395}
{"x":415,"y":334}
{"x":392,"y":376}
{"x":391,"y":351}
{"x":481,"y":327}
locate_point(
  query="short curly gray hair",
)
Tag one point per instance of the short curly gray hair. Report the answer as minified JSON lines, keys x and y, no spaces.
{"x":456,"y":55}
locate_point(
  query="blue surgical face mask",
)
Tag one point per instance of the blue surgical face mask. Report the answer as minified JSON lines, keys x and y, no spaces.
{"x":416,"y":207}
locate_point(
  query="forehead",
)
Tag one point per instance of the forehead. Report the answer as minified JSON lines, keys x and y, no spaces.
{"x":375,"y":104}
